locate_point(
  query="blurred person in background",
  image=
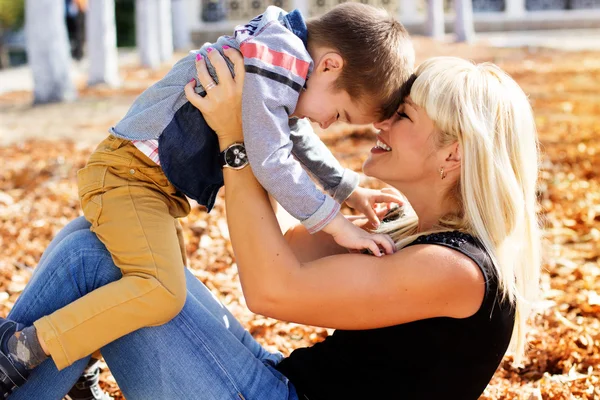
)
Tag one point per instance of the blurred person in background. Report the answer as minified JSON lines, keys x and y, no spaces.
{"x":75,"y":18}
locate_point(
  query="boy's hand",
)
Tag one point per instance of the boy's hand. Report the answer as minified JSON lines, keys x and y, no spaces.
{"x":350,"y":236}
{"x":364,"y":200}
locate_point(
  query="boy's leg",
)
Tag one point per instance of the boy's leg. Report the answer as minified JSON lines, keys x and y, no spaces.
{"x":179,"y":230}
{"x":136,"y":225}
{"x":87,"y":386}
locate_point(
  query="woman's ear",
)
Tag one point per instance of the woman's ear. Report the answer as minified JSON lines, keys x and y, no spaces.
{"x":454,"y":158}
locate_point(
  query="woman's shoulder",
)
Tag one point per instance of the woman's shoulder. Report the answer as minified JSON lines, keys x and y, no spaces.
{"x":473,"y":249}
{"x":462,"y":242}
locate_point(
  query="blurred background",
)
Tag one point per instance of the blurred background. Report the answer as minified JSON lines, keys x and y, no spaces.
{"x":153,"y":29}
{"x":70,"y":69}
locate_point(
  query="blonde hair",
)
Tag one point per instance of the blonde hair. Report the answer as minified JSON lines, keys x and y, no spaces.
{"x":487,"y":113}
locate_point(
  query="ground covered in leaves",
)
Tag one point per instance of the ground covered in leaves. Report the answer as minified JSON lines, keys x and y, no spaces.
{"x":38,"y":197}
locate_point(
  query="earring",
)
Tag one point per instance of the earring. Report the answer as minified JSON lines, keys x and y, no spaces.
{"x":442,"y":173}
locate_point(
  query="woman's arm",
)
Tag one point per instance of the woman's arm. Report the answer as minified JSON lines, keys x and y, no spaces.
{"x":341,"y":291}
{"x":348,"y":291}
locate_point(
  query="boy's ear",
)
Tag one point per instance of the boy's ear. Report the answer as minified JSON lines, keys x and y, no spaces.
{"x":332,"y":63}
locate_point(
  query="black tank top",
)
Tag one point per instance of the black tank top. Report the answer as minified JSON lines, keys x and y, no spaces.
{"x":436,"y":358}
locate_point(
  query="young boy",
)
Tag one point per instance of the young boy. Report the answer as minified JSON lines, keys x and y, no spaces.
{"x":347,"y":65}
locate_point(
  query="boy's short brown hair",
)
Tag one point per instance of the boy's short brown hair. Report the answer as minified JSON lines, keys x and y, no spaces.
{"x":377,"y":52}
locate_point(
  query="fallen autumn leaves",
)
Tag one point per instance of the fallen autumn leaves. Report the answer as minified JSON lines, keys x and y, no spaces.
{"x":38,"y":197}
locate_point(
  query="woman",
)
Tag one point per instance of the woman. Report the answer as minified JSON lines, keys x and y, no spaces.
{"x":431,"y":321}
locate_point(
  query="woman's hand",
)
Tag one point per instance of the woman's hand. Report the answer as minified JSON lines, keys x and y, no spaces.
{"x":222,"y":105}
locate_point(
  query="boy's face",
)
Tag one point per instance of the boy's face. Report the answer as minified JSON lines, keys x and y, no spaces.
{"x":321,"y":104}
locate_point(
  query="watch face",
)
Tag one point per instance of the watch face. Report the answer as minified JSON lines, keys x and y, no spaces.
{"x":235,"y":156}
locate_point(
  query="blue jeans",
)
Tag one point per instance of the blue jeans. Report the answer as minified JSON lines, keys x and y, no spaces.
{"x":203,"y":353}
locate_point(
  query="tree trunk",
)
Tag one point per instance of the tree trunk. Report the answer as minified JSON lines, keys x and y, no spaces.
{"x":48,"y":51}
{"x":435,"y":19}
{"x":463,"y":24}
{"x":147,"y":32}
{"x":166,"y":30}
{"x":102,"y":43}
{"x":181,"y":26}
{"x":3,"y":52}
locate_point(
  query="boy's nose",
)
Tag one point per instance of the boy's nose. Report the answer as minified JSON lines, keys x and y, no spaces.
{"x":325,"y":125}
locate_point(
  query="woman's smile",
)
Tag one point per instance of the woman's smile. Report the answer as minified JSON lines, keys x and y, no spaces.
{"x":381,"y":147}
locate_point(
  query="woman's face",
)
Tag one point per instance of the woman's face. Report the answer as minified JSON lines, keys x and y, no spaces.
{"x":405,"y":152}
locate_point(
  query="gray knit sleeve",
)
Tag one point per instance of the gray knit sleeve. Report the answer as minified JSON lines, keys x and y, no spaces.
{"x":317,"y":159}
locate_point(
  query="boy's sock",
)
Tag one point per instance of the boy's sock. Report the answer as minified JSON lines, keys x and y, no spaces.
{"x":24,"y":348}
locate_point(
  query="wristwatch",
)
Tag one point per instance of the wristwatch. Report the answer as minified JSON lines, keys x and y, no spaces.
{"x":234,"y":156}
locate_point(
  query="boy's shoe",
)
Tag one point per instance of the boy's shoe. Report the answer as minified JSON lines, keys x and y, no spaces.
{"x":12,"y":375}
{"x":87,"y":387}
